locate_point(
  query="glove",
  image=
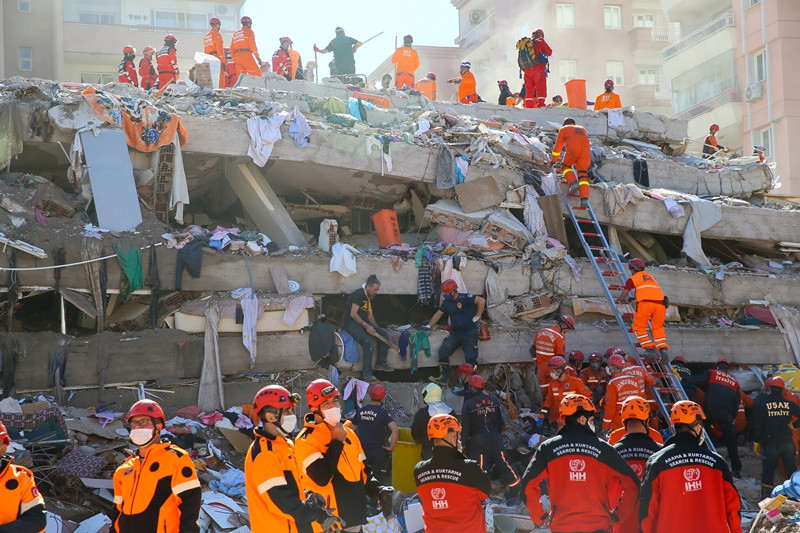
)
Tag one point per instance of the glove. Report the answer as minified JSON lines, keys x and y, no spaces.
{"x":316,"y":49}
{"x":757,"y":448}
{"x":476,"y":318}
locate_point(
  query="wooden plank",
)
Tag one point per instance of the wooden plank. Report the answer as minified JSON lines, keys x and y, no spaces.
{"x":630,"y":242}
{"x":553,"y":220}
{"x":280,"y":279}
{"x":80,"y":301}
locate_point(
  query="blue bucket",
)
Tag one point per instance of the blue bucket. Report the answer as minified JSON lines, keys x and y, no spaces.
{"x":789,"y":488}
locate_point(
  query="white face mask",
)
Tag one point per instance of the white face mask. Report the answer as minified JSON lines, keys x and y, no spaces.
{"x":289,"y":423}
{"x":590,"y":423}
{"x":554,"y":375}
{"x":332,"y":415}
{"x":142,"y":436}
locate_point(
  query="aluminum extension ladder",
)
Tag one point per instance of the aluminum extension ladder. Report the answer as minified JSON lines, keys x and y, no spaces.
{"x":610,"y":272}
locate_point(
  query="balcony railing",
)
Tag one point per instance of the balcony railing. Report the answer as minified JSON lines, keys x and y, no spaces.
{"x":663,"y":35}
{"x":715,"y":26}
{"x":478,"y":33}
{"x":719,"y":100}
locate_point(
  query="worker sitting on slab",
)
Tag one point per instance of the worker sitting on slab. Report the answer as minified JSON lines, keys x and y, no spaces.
{"x":374,"y":423}
{"x":465,"y":311}
{"x":575,"y":141}
{"x":547,"y":343}
{"x":506,"y":96}
{"x":406,"y":62}
{"x":609,"y":99}
{"x":637,"y":441}
{"x":361,"y":324}
{"x":343,"y":48}
{"x":651,"y":306}
{"x":22,"y":509}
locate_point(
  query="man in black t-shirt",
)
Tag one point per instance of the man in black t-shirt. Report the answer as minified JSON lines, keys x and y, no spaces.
{"x":343,"y":48}
{"x":373,"y":420}
{"x":360,"y":323}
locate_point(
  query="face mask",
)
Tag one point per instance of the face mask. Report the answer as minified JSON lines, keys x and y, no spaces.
{"x":595,"y":366}
{"x":554,"y":375}
{"x":332,"y":415}
{"x":289,"y":423}
{"x":141,"y":436}
{"x":590,"y":423}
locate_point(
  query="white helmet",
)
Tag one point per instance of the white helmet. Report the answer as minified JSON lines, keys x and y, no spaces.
{"x":432,"y":393}
{"x":466,"y":64}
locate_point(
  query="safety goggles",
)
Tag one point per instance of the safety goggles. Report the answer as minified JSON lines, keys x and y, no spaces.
{"x":327,"y":391}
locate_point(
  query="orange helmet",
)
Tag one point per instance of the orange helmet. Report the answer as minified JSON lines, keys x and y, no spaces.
{"x":214,"y":20}
{"x":575,"y":403}
{"x":567,"y":320}
{"x":476,"y":382}
{"x":274,"y":396}
{"x":377,"y":392}
{"x":685,"y":412}
{"x":246,"y":20}
{"x":440,"y":425}
{"x":617,"y":360}
{"x":318,"y":391}
{"x":449,"y":286}
{"x":148,"y":50}
{"x":4,"y":438}
{"x":129,"y":50}
{"x":557,"y":362}
{"x":635,"y":407}
{"x":147,"y":408}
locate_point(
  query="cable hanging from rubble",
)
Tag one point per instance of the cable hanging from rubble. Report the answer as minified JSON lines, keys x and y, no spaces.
{"x":65,"y":265}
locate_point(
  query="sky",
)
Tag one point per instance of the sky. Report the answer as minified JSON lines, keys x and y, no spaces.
{"x":306,"y":22}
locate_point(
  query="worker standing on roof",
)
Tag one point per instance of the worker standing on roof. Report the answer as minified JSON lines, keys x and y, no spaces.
{"x":637,"y":441}
{"x":609,"y":99}
{"x":561,"y":384}
{"x":506,"y":96}
{"x":271,"y":473}
{"x":722,"y":405}
{"x":167,"y":62}
{"x":406,"y":63}
{"x":651,"y":306}
{"x":467,"y":86}
{"x":772,"y":433}
{"x":127,"y":69}
{"x":547,"y":343}
{"x":157,"y":488}
{"x":148,"y":76}
{"x":575,"y":141}
{"x":331,"y":458}
{"x":22,"y":507}
{"x":282,"y":60}
{"x":450,"y":486}
{"x":361,"y":324}
{"x":621,"y":386}
{"x":432,"y":396}
{"x":533,"y":59}
{"x":213,"y":46}
{"x":464,"y":310}
{"x":427,"y":86}
{"x":687,"y":487}
{"x":374,"y":423}
{"x":710,"y":144}
{"x":243,"y":49}
{"x":482,"y":424}
{"x":297,"y":63}
{"x":589,"y":485}
{"x":343,"y":48}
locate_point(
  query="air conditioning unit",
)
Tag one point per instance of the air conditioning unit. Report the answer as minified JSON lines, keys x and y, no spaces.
{"x":754,"y":92}
{"x":222,"y":9}
{"x":476,"y":16}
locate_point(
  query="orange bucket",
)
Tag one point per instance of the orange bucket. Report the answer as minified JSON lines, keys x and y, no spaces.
{"x":576,"y":93}
{"x":387,"y":228}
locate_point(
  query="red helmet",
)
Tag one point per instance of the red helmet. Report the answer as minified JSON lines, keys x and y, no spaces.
{"x":147,"y":408}
{"x":576,"y":355}
{"x":502,"y":82}
{"x":609,"y":84}
{"x":148,"y":50}
{"x":431,"y":76}
{"x":408,"y":38}
{"x":129,"y":50}
{"x":170,"y":37}
{"x":615,"y":350}
{"x":216,"y":21}
{"x":557,"y":362}
{"x":246,"y":20}
{"x":636,"y":264}
{"x":775,"y":382}
{"x":318,"y":391}
{"x":575,"y":403}
{"x":714,"y":127}
{"x":567,"y":320}
{"x":449,"y":286}
{"x":285,"y":40}
{"x":465,"y":369}
{"x":4,"y":438}
{"x":723,"y":361}
{"x":616,"y":360}
{"x":595,"y":356}
{"x":377,"y":392}
{"x":440,"y":425}
{"x":476,"y":382}
{"x":274,"y":396}
{"x":538,"y":31}
{"x":679,"y":359}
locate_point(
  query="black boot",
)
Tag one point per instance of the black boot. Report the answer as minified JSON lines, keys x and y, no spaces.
{"x":444,"y":375}
{"x":664,"y":356}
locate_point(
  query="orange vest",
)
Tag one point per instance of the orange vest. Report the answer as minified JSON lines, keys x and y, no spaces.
{"x":19,"y":493}
{"x":468,"y":88}
{"x":647,"y":288}
{"x":607,"y":101}
{"x":212,"y":45}
{"x":295,"y":56}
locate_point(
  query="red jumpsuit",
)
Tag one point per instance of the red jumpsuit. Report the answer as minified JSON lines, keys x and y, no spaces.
{"x":282,"y":63}
{"x":536,"y":77}
{"x":127,"y":73}
{"x":147,"y":73}
{"x":574,"y":139}
{"x":212,"y":45}
{"x":167,"y":62}
{"x":547,"y":343}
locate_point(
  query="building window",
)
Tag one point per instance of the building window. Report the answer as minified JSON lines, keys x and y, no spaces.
{"x":758,"y":67}
{"x":24,"y":6}
{"x":96,"y":18}
{"x":26,"y":58}
{"x":612,"y":17}
{"x":614,"y":71}
{"x":567,"y":69}
{"x":97,"y":78}
{"x":751,"y":3}
{"x":644,"y":20}
{"x":565,"y":16}
{"x":765,"y":136}
{"x":171,"y":19}
{"x":646,"y":76}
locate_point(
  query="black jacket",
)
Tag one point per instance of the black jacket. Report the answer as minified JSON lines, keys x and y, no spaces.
{"x":771,"y":417}
{"x":722,"y":392}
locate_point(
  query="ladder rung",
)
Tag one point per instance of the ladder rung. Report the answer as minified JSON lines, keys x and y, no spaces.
{"x":588,"y":234}
{"x":602,"y":259}
{"x":627,"y":315}
{"x":615,"y":287}
{"x":578,"y":207}
{"x":584,"y":221}
{"x":610,"y":273}
{"x":599,"y":248}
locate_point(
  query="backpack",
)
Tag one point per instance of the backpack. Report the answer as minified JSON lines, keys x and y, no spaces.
{"x":526,"y":57}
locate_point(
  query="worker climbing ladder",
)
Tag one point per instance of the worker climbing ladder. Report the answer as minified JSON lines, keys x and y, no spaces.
{"x":610,"y":272}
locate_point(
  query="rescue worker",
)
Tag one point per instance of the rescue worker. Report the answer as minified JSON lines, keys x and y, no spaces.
{"x":331,"y":458}
{"x":432,"y":396}
{"x":758,"y":151}
{"x":271,"y":473}
{"x":22,"y":507}
{"x":450,"y":486}
{"x":609,"y":99}
{"x":557,"y":101}
{"x":231,"y":76}
{"x":213,"y":46}
{"x":687,"y":487}
{"x":575,"y":362}
{"x":167,"y":62}
{"x":682,"y":371}
{"x":595,"y":377}
{"x":589,"y":485}
{"x":282,"y":60}
{"x":155,"y":490}
{"x":373,"y":421}
{"x":482,"y":424}
{"x":244,"y":49}
{"x":343,"y":48}
{"x":464,"y":371}
{"x":651,"y":306}
{"x":361,"y":324}
{"x":574,"y":139}
{"x":535,"y":77}
{"x":621,"y":386}
{"x":464,"y":310}
{"x":127,"y":69}
{"x":427,"y":86}
{"x":562,"y":382}
{"x":148,"y":77}
{"x":721,"y":406}
{"x":386,"y":81}
{"x":547,"y":343}
{"x":506,"y":96}
{"x":406,"y":62}
{"x":710,"y":144}
{"x":637,"y":441}
{"x":772,"y":432}
{"x":467,"y":86}
{"x":297,"y":63}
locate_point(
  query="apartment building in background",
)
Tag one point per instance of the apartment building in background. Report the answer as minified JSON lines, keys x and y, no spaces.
{"x":82,"y":40}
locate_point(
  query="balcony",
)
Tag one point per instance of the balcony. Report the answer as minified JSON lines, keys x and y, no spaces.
{"x":713,"y":27}
{"x":644,"y":38}
{"x":730,"y":96}
{"x":478,"y":34}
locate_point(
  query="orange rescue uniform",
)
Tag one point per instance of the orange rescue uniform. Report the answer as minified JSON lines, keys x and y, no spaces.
{"x":607,"y":101}
{"x":468,"y":89}
{"x":21,"y":505}
{"x":406,"y":63}
{"x":158,"y":492}
{"x":243,"y":48}
{"x":617,"y":435}
{"x":649,"y":308}
{"x":556,"y":391}
{"x":547,"y":343}
{"x":619,"y":388}
{"x":427,"y":87}
{"x":294,"y":55}
{"x":213,"y":46}
{"x":574,"y":139}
